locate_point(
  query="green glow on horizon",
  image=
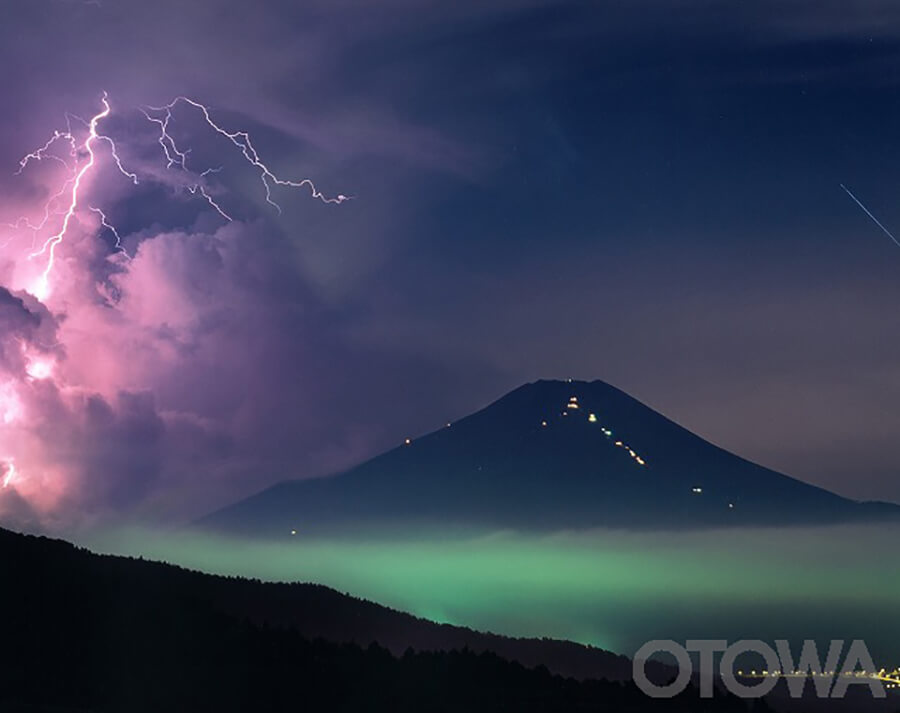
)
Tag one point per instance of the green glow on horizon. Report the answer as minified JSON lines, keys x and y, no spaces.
{"x":606,"y":588}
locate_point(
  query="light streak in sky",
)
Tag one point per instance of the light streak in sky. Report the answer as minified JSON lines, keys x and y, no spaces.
{"x":241,"y":139}
{"x":869,"y":213}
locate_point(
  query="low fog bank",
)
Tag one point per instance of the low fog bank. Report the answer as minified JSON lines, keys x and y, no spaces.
{"x":611,"y":589}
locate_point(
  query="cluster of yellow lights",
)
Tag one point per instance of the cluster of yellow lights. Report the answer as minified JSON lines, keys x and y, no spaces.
{"x":620,"y":444}
{"x":592,"y":418}
{"x":892,"y":678}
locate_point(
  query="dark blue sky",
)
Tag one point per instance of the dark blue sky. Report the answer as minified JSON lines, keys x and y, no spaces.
{"x":646,"y":193}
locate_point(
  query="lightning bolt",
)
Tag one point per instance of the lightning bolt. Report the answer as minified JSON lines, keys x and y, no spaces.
{"x":162,"y":117}
{"x":41,"y":154}
{"x":175,"y":156}
{"x":201,"y":189}
{"x":869,"y":213}
{"x":79,"y":157}
{"x":10,"y":475}
{"x":71,"y":187}
{"x":112,"y":229}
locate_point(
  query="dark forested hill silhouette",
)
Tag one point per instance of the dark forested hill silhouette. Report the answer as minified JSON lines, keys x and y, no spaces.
{"x":551,"y":454}
{"x":82,"y":632}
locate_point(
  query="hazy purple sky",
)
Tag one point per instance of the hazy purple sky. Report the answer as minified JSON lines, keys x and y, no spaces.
{"x":646,"y":193}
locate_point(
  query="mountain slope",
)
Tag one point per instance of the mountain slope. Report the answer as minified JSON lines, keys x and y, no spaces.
{"x":86,"y":632}
{"x":551,"y":454}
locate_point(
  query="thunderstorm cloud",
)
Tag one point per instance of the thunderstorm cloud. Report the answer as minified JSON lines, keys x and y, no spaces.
{"x":540,"y":189}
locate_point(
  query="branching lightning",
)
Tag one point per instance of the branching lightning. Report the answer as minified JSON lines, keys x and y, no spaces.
{"x":162,"y":116}
{"x":71,"y":187}
{"x":201,"y":189}
{"x":45,"y":153}
{"x":112,"y":229}
{"x":76,"y":151}
{"x":81,"y":157}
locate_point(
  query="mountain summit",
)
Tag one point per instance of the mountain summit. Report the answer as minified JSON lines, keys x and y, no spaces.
{"x":549,"y":455}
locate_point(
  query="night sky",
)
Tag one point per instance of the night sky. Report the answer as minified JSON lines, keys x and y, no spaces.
{"x":644,"y":192}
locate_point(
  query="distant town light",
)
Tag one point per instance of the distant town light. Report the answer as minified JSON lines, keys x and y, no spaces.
{"x":697,"y":490}
{"x":592,"y":418}
{"x":408,"y":441}
{"x":293,"y":532}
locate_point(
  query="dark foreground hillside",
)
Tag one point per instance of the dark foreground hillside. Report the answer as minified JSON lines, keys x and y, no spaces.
{"x":81,"y":632}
